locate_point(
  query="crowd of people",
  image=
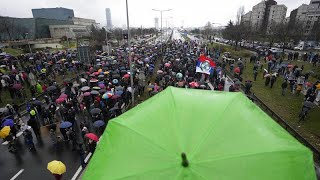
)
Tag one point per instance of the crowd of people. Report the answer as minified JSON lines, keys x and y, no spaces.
{"x":78,"y":111}
{"x":294,"y":79}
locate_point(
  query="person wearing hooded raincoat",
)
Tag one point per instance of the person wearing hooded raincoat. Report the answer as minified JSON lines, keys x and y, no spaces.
{"x":39,"y":88}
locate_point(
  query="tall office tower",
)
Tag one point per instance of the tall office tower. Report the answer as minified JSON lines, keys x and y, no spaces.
{"x":108,"y":16}
{"x":156,"y":23}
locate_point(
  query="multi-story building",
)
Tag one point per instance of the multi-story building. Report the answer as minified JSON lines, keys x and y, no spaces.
{"x":257,"y":15}
{"x":83,"y":21}
{"x":53,"y":13}
{"x":277,"y":14}
{"x":313,"y":15}
{"x":69,"y":31}
{"x":246,"y":18}
{"x":264,"y":14}
{"x":306,"y":15}
{"x":108,"y":17}
{"x":302,"y":13}
{"x":30,"y":28}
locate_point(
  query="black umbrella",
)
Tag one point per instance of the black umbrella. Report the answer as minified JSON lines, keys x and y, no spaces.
{"x":52,"y":88}
{"x":114,"y":108}
{"x":116,"y":76}
{"x":37,"y":102}
{"x":101,"y":91}
{"x":95,"y":111}
{"x":308,"y":104}
{"x":95,"y":92}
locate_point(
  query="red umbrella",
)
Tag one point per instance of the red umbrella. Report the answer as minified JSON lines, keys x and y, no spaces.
{"x":17,"y":86}
{"x":194,"y":84}
{"x":309,"y":84}
{"x":60,"y":100}
{"x":167,"y":64}
{"x":94,"y":80}
{"x":115,"y":96}
{"x":126,"y":76}
{"x":237,"y":70}
{"x":96,"y":73}
{"x":63,"y":96}
{"x":92,"y":137}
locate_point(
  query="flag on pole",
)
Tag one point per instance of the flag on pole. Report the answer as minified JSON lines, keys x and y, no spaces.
{"x":205,"y":65}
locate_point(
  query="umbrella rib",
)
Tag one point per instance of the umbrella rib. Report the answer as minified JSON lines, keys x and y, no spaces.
{"x":211,"y":128}
{"x":246,"y":155}
{"x":149,"y":140}
{"x":154,"y":170}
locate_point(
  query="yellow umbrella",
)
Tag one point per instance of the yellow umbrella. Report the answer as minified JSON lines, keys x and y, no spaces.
{"x":56,"y":167}
{"x":318,"y":86}
{"x":4,"y":132}
{"x":100,"y":70}
{"x":106,"y":72}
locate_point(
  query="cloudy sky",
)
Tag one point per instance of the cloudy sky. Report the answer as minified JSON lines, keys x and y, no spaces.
{"x":184,"y":12}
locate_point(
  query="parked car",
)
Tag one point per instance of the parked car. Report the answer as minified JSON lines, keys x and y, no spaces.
{"x":275,"y":50}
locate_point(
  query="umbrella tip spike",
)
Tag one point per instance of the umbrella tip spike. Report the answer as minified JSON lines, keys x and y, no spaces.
{"x":185,"y":162}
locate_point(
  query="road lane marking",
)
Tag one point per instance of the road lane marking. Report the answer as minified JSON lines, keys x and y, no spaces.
{"x":87,"y":158}
{"x":18,"y":134}
{"x":77,"y":173}
{"x":15,"y":176}
{"x":80,"y":168}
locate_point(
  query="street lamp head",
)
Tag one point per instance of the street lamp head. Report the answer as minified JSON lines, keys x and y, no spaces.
{"x":162,"y":10}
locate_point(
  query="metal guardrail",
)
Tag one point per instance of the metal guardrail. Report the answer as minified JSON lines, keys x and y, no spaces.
{"x":283,"y":123}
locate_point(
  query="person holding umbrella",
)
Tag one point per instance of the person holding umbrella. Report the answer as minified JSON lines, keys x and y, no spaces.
{"x":93,"y":139}
{"x":57,"y":168}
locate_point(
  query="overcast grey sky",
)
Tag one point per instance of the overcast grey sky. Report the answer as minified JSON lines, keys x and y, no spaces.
{"x":184,"y":12}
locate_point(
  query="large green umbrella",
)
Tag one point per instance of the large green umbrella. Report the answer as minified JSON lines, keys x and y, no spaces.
{"x":195,"y":134}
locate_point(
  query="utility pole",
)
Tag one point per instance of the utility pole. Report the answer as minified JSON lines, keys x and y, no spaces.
{"x":129,"y":55}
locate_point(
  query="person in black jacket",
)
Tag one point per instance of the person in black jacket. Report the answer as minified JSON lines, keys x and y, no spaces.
{"x":284,"y":86}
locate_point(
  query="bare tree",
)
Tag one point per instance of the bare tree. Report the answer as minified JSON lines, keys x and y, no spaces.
{"x":208,"y":29}
{"x":240,"y":13}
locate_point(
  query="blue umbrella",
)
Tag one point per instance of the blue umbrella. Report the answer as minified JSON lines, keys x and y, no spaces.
{"x":8,"y":122}
{"x":98,"y":123}
{"x":119,"y":93}
{"x":65,"y":124}
{"x":115,"y":81}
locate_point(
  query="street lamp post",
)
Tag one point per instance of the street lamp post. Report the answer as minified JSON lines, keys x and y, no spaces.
{"x":28,"y":42}
{"x":161,"y":11}
{"x":129,"y":55}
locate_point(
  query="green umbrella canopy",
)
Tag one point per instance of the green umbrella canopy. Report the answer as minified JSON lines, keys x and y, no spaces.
{"x":195,"y":134}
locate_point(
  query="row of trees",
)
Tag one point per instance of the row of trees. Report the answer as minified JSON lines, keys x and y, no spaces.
{"x":283,"y":33}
